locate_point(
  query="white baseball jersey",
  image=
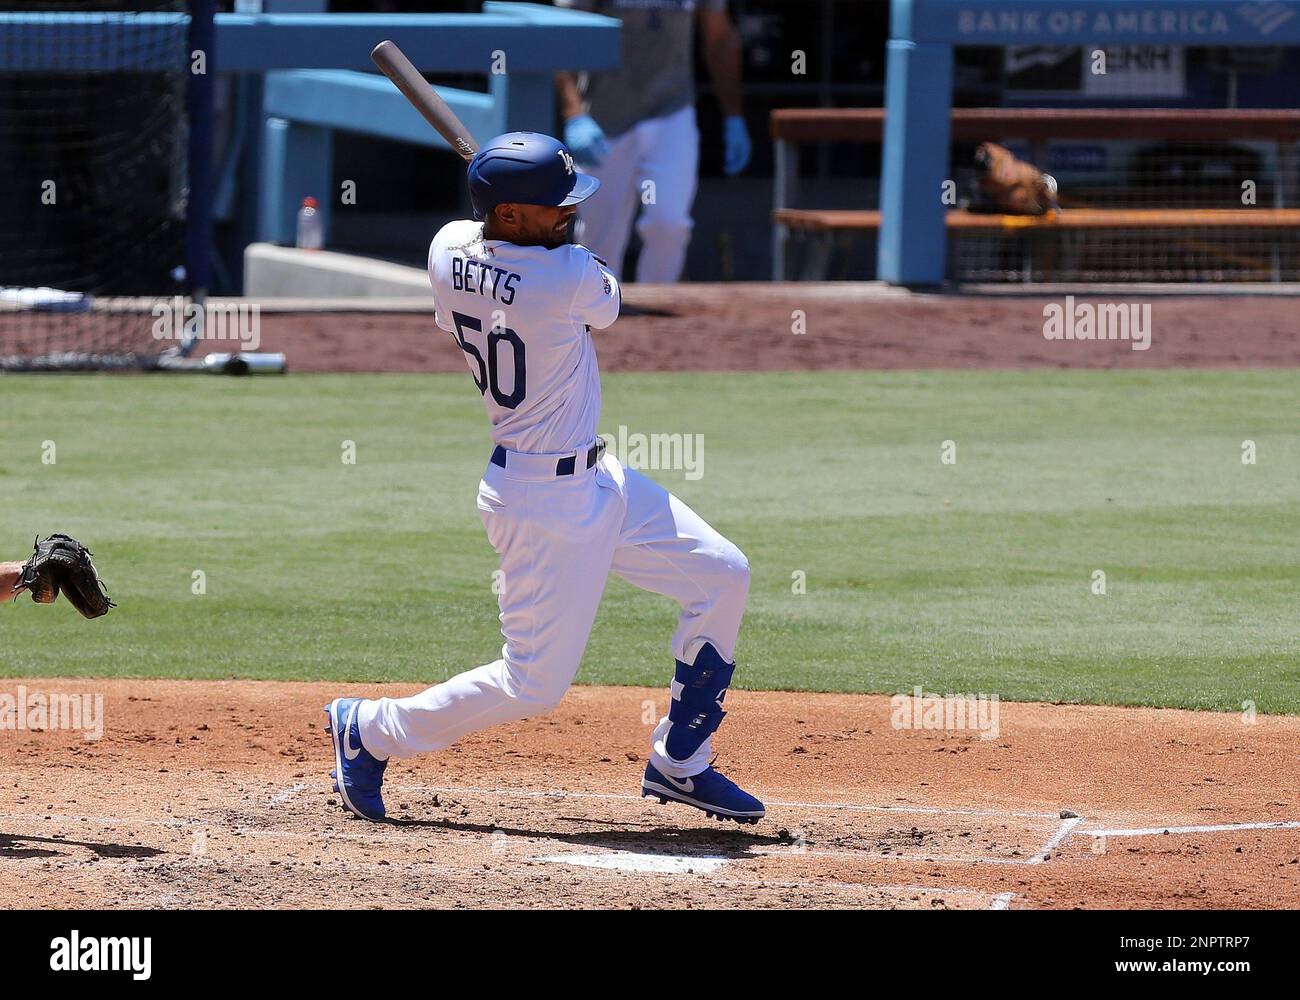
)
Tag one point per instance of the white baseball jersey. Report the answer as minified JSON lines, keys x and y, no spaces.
{"x":522,"y":315}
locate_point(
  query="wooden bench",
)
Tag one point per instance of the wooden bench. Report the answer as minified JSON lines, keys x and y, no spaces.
{"x":831,"y":227}
{"x":836,"y":220}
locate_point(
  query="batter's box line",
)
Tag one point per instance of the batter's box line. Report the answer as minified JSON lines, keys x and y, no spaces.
{"x":281,"y":797}
{"x":871,"y":856}
{"x":42,"y":816}
{"x":1154,"y":831}
{"x":619,"y":797}
{"x":1064,"y":830}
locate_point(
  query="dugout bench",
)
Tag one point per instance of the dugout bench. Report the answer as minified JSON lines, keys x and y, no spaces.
{"x":823,"y":231}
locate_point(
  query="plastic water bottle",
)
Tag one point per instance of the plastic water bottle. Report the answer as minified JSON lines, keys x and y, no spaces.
{"x":311,"y":230}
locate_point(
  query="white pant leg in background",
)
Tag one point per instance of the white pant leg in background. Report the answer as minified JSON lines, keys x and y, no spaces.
{"x":663,"y":150}
{"x":670,"y":156}
{"x":605,"y":219}
{"x":666,"y":548}
{"x":555,"y":538}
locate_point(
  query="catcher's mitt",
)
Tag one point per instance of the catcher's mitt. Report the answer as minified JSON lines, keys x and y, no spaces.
{"x":1013,"y":186}
{"x":63,"y":563}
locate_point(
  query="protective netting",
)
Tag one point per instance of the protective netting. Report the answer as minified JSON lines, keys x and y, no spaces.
{"x":93,"y":153}
{"x":1183,"y":254}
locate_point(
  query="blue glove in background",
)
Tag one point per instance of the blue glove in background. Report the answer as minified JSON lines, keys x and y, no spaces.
{"x":738,"y":147}
{"x":585,"y":140}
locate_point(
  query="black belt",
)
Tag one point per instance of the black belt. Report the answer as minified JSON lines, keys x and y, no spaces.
{"x":565,"y":465}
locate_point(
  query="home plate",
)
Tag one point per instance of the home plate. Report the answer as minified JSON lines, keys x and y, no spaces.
{"x":628,"y":861}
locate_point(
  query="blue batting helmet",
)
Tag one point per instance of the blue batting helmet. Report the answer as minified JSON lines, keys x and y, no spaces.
{"x":527,"y":168}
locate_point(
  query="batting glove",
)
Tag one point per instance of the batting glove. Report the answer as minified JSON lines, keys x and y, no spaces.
{"x":738,"y":145}
{"x":586,"y":140}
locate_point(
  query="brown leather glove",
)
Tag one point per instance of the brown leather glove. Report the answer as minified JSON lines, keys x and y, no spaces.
{"x":1015,"y":187}
{"x":63,"y":564}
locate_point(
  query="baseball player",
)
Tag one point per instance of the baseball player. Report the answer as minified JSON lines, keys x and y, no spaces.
{"x":58,"y":564}
{"x":521,"y":301}
{"x":637,"y":124}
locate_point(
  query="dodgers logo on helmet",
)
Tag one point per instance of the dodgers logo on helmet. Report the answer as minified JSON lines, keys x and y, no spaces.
{"x":526,"y":168}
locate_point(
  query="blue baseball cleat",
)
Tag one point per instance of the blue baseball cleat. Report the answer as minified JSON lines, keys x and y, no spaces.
{"x":357,"y":775}
{"x":719,"y":797}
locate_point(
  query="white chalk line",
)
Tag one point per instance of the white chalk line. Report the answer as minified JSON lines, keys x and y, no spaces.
{"x":104,"y":820}
{"x":848,"y":806}
{"x":1153,"y":831}
{"x":1063,"y":831}
{"x":913,"y":859}
{"x":284,"y":796}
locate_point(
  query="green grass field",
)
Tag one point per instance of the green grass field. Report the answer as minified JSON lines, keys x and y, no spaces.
{"x":968,"y":577}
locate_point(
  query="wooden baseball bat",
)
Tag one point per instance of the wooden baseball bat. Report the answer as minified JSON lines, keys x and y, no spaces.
{"x":394,"y":65}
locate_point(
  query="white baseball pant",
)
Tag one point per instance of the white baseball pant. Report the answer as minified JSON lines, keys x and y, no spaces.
{"x":558,"y":539}
{"x":666,"y":153}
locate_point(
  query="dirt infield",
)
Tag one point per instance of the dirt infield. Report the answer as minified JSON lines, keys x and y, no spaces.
{"x":744,"y":327}
{"x":216,"y":794}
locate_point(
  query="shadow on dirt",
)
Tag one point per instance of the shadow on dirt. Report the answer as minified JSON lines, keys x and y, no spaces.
{"x":722,"y":842}
{"x":9,"y":848}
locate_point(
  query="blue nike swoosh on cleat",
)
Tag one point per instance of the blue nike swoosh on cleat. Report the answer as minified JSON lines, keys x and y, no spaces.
{"x":349,"y":751}
{"x":709,"y":791}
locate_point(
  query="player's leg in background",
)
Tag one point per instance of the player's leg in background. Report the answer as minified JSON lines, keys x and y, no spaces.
{"x":668,"y":549}
{"x":672,"y":161}
{"x":555,"y":541}
{"x":605,"y":219}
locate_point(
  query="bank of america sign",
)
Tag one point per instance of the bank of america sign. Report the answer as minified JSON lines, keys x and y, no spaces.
{"x":1265,"y":17}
